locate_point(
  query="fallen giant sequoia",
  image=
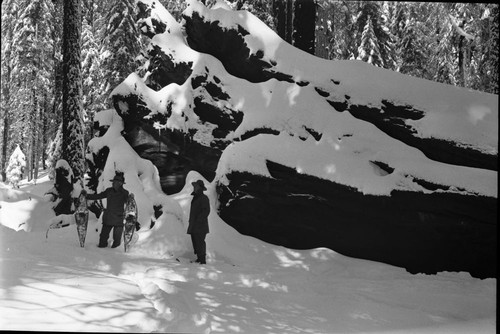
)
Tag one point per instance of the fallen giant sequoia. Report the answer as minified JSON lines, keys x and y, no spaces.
{"x":310,"y":153}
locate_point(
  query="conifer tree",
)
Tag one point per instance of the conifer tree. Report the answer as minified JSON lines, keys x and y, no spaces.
{"x":54,"y":120}
{"x":16,"y":166}
{"x":343,"y":44}
{"x":72,"y":139}
{"x":371,"y":11}
{"x":121,"y":44}
{"x":369,"y":51}
{"x":92,"y":74}
{"x":410,"y":54}
{"x":437,"y":35}
{"x":476,"y":37}
{"x":9,"y":17}
{"x":31,"y":66}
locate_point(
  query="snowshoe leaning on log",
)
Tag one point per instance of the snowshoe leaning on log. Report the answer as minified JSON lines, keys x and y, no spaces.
{"x":116,"y":197}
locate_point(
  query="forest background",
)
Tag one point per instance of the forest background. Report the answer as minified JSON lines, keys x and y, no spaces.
{"x":60,"y":59}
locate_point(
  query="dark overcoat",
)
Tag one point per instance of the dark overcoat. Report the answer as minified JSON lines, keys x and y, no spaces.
{"x":114,"y":213}
{"x":198,"y":215}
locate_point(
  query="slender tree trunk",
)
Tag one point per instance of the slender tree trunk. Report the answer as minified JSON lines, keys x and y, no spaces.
{"x":5,"y":142}
{"x":34,"y":136}
{"x":6,"y":125}
{"x":45,"y":134}
{"x":461,"y":79}
{"x":36,"y":139}
{"x":289,"y":21}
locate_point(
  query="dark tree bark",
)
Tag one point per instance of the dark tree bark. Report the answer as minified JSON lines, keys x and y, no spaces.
{"x":6,"y":124}
{"x":279,"y":13}
{"x":283,"y":14}
{"x":6,"y":117}
{"x":45,"y":134}
{"x":289,"y":21}
{"x":305,"y":25}
{"x":4,"y":144}
{"x":32,"y":154}
{"x":72,"y":141}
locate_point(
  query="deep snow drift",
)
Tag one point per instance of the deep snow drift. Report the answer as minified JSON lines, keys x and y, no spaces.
{"x":247,"y":286}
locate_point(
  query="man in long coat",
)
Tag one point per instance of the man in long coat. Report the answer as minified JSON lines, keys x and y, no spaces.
{"x":116,"y":197}
{"x":198,"y":220}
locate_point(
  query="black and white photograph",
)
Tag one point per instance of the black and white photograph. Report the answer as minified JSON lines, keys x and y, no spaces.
{"x":249,"y":166}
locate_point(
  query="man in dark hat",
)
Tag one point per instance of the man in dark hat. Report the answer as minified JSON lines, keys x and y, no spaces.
{"x":116,"y":196}
{"x":198,"y":220}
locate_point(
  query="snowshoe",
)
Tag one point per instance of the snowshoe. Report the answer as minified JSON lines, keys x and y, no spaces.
{"x":82,"y":219}
{"x":130,"y":222}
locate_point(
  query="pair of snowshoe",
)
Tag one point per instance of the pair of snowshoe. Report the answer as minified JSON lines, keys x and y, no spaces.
{"x":82,"y":218}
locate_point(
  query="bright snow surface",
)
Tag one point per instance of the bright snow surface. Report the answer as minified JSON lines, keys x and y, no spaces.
{"x":248,"y":286}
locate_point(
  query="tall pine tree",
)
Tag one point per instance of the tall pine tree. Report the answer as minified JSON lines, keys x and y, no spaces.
{"x":9,"y":17}
{"x":437,"y":35}
{"x":92,"y":74}
{"x":73,"y":129}
{"x":343,"y":44}
{"x":31,"y":65}
{"x":410,"y":52}
{"x":369,"y":51}
{"x":121,"y":44}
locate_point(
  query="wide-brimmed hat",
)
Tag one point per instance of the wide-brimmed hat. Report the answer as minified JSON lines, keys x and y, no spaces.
{"x":200,"y":183}
{"x":118,"y":177}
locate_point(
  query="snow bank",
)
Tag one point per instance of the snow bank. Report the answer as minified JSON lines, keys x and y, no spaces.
{"x":141,"y":179}
{"x":247,"y":286}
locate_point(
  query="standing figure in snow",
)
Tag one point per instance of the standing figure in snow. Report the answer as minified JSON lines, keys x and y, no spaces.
{"x":114,"y":214}
{"x":198,"y":220}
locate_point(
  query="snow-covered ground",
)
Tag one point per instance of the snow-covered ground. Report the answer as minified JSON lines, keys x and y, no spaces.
{"x":248,"y":286}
